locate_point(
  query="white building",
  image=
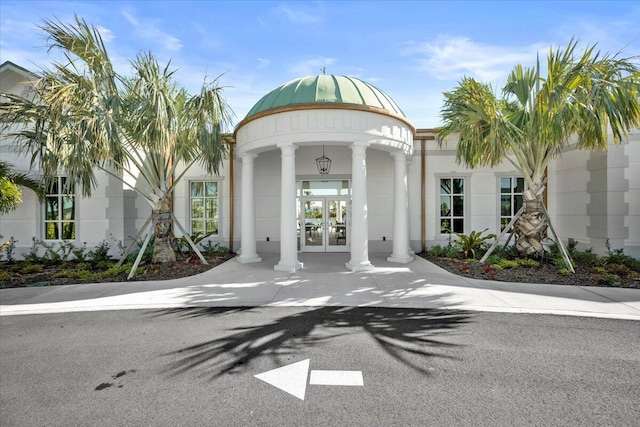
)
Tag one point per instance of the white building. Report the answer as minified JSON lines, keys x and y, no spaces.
{"x":390,"y":188}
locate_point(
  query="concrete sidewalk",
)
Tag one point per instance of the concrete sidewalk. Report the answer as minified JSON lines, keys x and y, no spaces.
{"x":324,"y":281}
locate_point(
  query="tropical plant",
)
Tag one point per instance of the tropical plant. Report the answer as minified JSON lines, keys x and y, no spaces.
{"x":469,"y":244}
{"x":10,"y":183}
{"x":578,"y":97}
{"x":196,"y":238}
{"x":85,"y":117}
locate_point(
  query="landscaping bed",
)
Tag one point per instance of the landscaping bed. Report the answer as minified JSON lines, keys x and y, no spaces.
{"x":27,"y":274}
{"x":461,"y":257}
{"x":546,"y":272}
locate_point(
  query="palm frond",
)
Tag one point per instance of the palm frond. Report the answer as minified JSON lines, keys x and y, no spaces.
{"x":585,"y":94}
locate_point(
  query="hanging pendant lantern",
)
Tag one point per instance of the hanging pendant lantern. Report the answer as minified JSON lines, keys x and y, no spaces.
{"x":323,"y":163}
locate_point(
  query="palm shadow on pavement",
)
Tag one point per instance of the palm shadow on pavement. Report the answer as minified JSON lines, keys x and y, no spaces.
{"x":408,"y":335}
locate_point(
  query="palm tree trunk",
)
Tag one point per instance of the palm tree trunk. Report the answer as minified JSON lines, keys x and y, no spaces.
{"x":531,"y":229}
{"x":162,"y":248}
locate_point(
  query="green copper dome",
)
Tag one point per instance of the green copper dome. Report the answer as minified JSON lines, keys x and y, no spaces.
{"x":325,"y":89}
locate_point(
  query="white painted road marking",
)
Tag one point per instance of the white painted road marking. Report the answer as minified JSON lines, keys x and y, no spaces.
{"x":348,"y":378}
{"x":293,"y":378}
{"x":290,"y":378}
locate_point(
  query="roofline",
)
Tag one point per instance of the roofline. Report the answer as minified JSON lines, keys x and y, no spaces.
{"x":9,"y":64}
{"x":323,"y":106}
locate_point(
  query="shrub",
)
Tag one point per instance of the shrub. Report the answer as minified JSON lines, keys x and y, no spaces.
{"x":490,"y":271}
{"x":83,"y":266}
{"x":609,"y":280}
{"x":599,"y":270}
{"x":32,"y":268}
{"x":628,"y":261}
{"x":80,"y":254}
{"x":9,"y":248}
{"x":115,"y":271}
{"x":495,"y":268}
{"x":437,"y":250}
{"x":564,"y":272}
{"x":507,"y":252}
{"x":60,"y":251}
{"x":586,"y":257}
{"x":495,"y":259}
{"x":5,"y":275}
{"x":196,"y":238}
{"x":210,"y":249}
{"x":123,"y":269}
{"x":100,"y":252}
{"x":148,"y":252}
{"x":506,"y":263}
{"x":33,"y":256}
{"x":527,"y":262}
{"x":558,"y":261}
{"x":444,"y":251}
{"x":470,"y":244}
{"x":104,"y":265}
{"x":618,"y":269}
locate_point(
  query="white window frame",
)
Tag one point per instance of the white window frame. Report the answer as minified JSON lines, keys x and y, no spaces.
{"x":465,"y":202}
{"x":512,"y":195}
{"x":60,"y":220}
{"x":218,"y":183}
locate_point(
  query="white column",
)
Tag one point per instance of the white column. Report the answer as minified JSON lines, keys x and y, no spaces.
{"x":410,"y":251}
{"x":288,"y":226}
{"x":248,"y":215}
{"x":400,"y":207}
{"x":359,"y":221}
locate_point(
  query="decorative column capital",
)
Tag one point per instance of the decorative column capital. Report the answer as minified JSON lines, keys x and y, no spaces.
{"x":358,"y":148}
{"x":399,"y":156}
{"x":248,"y":157}
{"x":288,"y":149}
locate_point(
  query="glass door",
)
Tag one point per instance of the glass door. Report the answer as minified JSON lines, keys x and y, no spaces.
{"x":325,"y":222}
{"x":337,"y":214}
{"x":314,"y":225}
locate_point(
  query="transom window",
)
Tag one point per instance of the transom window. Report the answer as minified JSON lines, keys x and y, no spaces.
{"x":204,"y":207}
{"x":60,"y":211}
{"x":511,"y":189}
{"x":451,"y":205}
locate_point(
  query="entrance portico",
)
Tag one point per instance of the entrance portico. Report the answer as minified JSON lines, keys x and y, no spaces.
{"x":353,"y":124}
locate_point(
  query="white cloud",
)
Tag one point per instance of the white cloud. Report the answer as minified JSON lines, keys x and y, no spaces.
{"x":106,"y":34}
{"x":311,"y":66}
{"x":449,"y":58}
{"x":623,"y":34}
{"x":262,"y":63}
{"x":150,"y":29}
{"x":299,"y":16}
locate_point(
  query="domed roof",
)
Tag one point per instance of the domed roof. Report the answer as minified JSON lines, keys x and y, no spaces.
{"x":326,"y":89}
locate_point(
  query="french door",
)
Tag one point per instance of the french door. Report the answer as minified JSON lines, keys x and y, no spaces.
{"x":325,"y":224}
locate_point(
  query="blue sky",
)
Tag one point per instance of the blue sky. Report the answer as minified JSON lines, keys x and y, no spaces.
{"x":412,"y":50}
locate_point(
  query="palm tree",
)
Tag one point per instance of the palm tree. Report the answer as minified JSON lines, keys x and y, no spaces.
{"x":85,"y":117}
{"x":578,"y":97}
{"x":10,"y":183}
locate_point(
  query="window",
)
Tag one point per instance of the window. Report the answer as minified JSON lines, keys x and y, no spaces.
{"x":451,"y":205}
{"x":60,"y":211}
{"x":204,"y":207}
{"x":511,"y":189}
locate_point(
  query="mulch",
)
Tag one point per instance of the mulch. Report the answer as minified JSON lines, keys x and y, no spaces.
{"x":546,"y":273}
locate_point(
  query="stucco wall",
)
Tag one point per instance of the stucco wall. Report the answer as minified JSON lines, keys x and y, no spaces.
{"x":267,"y":191}
{"x":317,"y":126}
{"x":482,"y":190}
{"x":632,"y":196}
{"x":567,"y":196}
